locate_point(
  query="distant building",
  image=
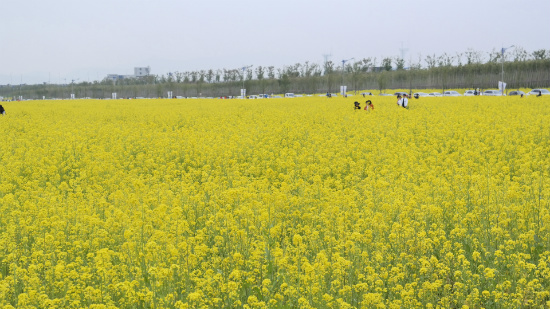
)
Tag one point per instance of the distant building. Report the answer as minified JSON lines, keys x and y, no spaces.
{"x":138,"y":72}
{"x":142,"y":71}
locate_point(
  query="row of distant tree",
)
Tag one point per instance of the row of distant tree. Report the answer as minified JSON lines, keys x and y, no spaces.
{"x":308,"y":69}
{"x":471,"y":69}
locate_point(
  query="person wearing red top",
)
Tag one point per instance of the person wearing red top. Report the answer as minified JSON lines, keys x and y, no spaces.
{"x":369,"y":105}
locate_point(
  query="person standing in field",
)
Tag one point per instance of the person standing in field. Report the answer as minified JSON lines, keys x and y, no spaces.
{"x":2,"y":110}
{"x":402,"y":101}
{"x":369,"y":105}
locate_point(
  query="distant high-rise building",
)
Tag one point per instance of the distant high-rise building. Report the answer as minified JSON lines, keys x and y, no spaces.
{"x":142,"y":71}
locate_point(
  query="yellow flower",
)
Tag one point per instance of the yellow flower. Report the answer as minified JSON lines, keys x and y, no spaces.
{"x":204,"y":203}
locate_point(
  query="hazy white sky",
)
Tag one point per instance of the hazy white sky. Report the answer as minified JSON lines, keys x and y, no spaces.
{"x":60,"y":40}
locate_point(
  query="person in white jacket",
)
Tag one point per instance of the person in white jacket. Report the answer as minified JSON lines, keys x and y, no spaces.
{"x":403,"y":101}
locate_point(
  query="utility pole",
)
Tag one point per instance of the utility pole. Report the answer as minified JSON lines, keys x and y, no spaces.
{"x":343,"y":88}
{"x":327,"y":56}
{"x":20,"y":84}
{"x":243,"y":90}
{"x":502,"y":65}
{"x":403,"y":51}
{"x":72,"y":90}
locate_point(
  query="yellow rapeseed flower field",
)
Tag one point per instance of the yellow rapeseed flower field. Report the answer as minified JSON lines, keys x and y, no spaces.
{"x":275,"y":203}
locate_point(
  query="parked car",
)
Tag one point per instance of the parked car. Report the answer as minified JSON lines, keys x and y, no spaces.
{"x":434,"y":94}
{"x":469,"y":93}
{"x":451,"y":93}
{"x":492,"y":92}
{"x":366,"y":93}
{"x":516,"y":92}
{"x":289,"y":95}
{"x":420,"y":94}
{"x":539,"y":91}
{"x":386,"y":94}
